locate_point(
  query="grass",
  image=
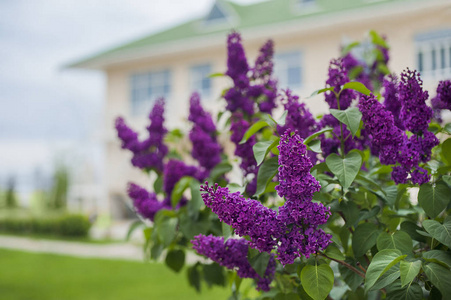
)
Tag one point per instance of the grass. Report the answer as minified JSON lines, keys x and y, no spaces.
{"x":26,"y":275}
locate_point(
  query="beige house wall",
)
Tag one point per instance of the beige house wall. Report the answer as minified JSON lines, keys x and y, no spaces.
{"x":317,"y":46}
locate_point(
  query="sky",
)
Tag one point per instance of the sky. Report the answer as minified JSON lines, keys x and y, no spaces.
{"x":47,"y":111}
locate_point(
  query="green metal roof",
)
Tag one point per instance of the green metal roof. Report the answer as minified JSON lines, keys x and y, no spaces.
{"x":245,"y":16}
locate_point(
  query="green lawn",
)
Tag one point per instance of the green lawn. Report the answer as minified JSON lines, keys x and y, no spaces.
{"x":25,"y":275}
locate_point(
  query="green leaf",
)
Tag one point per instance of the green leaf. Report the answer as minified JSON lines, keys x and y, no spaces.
{"x":352,"y":279}
{"x":286,"y":296}
{"x":350,"y":211}
{"x":158,"y":184}
{"x":345,"y":169}
{"x":194,"y":277}
{"x":196,"y":201}
{"x":179,"y":188}
{"x":447,"y":179}
{"x":398,"y":240}
{"x":387,"y":278}
{"x":378,"y":40}
{"x":314,"y":146}
{"x":333,"y":252}
{"x":166,"y":230}
{"x":446,"y":151}
{"x":216,"y":75}
{"x":439,"y":257}
{"x":269,"y":120}
{"x":411,"y":228}
{"x":381,"y":263}
{"x":447,"y":128}
{"x":227,"y":231}
{"x":260,"y":262}
{"x":357,"y":86}
{"x":135,"y":225}
{"x":409,"y":270}
{"x":156,"y":251}
{"x":192,"y":227}
{"x":261,"y":149}
{"x":412,"y":291}
{"x":220,"y":169}
{"x":253,"y":130}
{"x":434,"y":199}
{"x":364,"y":238}
{"x":440,"y":232}
{"x":439,"y":276}
{"x":351,"y":117}
{"x":283,"y":118}
{"x":266,"y":172}
{"x":308,"y":139}
{"x":175,"y":259}
{"x":214,"y":274}
{"x":320,"y":91}
{"x":235,"y":187}
{"x":317,"y":280}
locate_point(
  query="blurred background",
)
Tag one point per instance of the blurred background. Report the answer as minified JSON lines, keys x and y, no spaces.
{"x":69,"y":68}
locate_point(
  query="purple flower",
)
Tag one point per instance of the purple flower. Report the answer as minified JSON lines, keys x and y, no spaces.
{"x":128,"y":137}
{"x":175,"y":170}
{"x":232,"y":254}
{"x":364,"y":76}
{"x":199,"y":116}
{"x":237,"y":67}
{"x":248,"y":217}
{"x":264,"y":63}
{"x":146,"y":204}
{"x":206,"y":149}
{"x":149,"y":153}
{"x":442,"y":100}
{"x":298,"y":117}
{"x":337,"y":77}
{"x":296,"y":182}
{"x":414,"y":111}
{"x":391,"y":98}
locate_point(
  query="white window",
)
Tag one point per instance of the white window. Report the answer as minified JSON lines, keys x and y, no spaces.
{"x":200,"y":80}
{"x":146,"y":87}
{"x":433,"y":54}
{"x":288,"y":69}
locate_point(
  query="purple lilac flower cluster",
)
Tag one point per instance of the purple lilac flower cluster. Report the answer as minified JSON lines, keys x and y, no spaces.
{"x":248,"y":163}
{"x":337,"y":77}
{"x":294,"y":231}
{"x":299,"y":214}
{"x":415,"y":114}
{"x":390,"y":142}
{"x":206,"y":149}
{"x":232,"y":254}
{"x":442,"y":100}
{"x":391,"y":99}
{"x":146,"y":204}
{"x":250,"y":84}
{"x":298,"y":118}
{"x":149,"y":153}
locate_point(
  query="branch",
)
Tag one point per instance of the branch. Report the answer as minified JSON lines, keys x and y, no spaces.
{"x":352,"y":268}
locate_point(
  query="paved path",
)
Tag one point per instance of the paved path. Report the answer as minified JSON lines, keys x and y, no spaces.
{"x":126,"y":251}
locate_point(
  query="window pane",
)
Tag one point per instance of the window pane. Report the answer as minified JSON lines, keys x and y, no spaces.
{"x":442,"y":58}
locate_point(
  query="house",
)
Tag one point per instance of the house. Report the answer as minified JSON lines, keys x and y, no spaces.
{"x":307,"y":34}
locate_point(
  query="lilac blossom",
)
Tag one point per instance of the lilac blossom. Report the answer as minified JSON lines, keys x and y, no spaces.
{"x":175,"y":170}
{"x":232,"y":254}
{"x":298,"y":118}
{"x":206,"y":149}
{"x":248,"y":217}
{"x":415,"y":114}
{"x":149,"y":153}
{"x":337,"y":77}
{"x":391,"y":98}
{"x":146,"y":204}
{"x":442,"y":100}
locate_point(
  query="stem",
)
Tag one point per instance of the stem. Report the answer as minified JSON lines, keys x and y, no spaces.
{"x":352,"y":268}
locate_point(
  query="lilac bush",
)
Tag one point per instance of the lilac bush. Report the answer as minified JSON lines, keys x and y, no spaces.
{"x":316,"y":192}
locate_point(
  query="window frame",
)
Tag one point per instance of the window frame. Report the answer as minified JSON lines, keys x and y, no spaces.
{"x":433,"y":54}
{"x":283,"y":79}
